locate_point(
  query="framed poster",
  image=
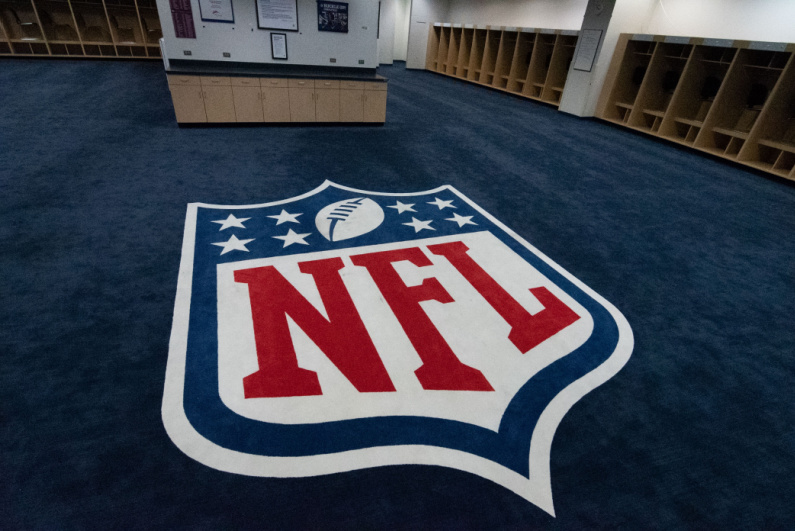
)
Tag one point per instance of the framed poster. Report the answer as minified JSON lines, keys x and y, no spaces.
{"x":586,"y":50}
{"x":277,"y":14}
{"x":332,"y":16}
{"x":216,"y":11}
{"x":279,"y":45}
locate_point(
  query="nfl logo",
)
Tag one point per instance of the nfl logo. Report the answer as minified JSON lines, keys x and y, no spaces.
{"x":346,"y":329}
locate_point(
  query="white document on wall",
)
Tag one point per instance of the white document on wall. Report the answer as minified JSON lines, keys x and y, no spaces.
{"x":587,"y":47}
{"x":277,"y":14}
{"x":216,"y":10}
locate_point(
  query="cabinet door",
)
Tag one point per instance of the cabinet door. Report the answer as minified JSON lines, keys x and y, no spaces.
{"x":188,"y":103}
{"x":351,"y":105}
{"x":276,"y":104}
{"x":248,"y":103}
{"x":302,"y":104}
{"x":219,"y":103}
{"x":375,"y":106}
{"x":327,"y":105}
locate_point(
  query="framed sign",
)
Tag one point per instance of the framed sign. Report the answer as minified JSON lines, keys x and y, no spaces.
{"x":277,"y":14}
{"x":279,"y":45}
{"x":216,"y":11}
{"x":586,"y":49}
{"x":332,"y":16}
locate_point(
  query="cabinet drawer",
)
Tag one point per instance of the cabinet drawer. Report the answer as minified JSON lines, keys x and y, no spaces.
{"x":355,"y":85}
{"x":273,"y":82}
{"x":183,"y":80}
{"x":209,"y":81}
{"x":245,"y":82}
{"x":327,"y":84}
{"x":374,"y":85}
{"x":302,"y":83}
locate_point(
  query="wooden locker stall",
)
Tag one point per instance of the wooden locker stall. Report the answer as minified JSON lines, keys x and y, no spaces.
{"x":732,"y":99}
{"x":523,"y":61}
{"x":80,"y":28}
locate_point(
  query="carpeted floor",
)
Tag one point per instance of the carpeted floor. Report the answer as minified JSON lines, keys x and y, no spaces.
{"x":699,"y":255}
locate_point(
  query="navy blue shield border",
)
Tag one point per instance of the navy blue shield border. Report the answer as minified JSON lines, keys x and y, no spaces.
{"x":516,"y":456}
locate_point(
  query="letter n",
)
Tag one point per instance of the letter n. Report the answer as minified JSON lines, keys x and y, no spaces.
{"x":342,"y":337}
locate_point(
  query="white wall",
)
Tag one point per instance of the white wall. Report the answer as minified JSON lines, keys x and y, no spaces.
{"x":556,"y":14}
{"x":423,"y":14}
{"x":402,"y":18}
{"x":245,"y":42}
{"x":760,"y":20}
{"x":386,"y":37}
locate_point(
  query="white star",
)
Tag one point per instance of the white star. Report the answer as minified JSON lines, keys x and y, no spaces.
{"x":291,"y":237}
{"x":233,"y":245}
{"x":402,"y":207}
{"x":441,"y":204}
{"x":231,"y":221}
{"x":284,"y":217}
{"x":461,"y":220}
{"x":419,"y":225}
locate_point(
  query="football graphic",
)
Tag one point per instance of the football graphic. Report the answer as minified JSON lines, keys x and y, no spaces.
{"x":348,"y":219}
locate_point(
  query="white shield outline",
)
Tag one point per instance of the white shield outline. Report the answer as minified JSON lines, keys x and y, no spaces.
{"x":537,"y":488}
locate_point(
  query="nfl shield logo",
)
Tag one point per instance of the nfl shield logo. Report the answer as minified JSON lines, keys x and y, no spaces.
{"x":346,"y":329}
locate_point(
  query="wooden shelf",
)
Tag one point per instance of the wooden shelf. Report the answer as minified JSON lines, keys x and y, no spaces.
{"x":659,"y":114}
{"x":686,"y":121}
{"x":736,"y":102}
{"x":731,"y":132}
{"x":77,"y":28}
{"x":533,"y":64}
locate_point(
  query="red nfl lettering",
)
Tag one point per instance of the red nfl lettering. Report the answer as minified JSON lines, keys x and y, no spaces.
{"x":441,"y":369}
{"x":527,"y":331}
{"x":343,"y":337}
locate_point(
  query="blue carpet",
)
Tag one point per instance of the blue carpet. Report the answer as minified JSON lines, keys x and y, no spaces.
{"x":699,"y":255}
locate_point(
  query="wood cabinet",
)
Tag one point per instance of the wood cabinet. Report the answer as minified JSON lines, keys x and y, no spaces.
{"x":219,"y":102}
{"x":275,"y":99}
{"x":186,"y":94}
{"x":327,"y":100}
{"x":75,"y":28}
{"x":218,"y":99}
{"x":374,"y":102}
{"x":733,"y":99}
{"x":352,"y":101}
{"x":302,"y":100}
{"x":527,"y":62}
{"x":247,"y":96}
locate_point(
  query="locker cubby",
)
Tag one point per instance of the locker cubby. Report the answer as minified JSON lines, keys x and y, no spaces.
{"x":700,"y":84}
{"x":490,"y":52}
{"x":748,"y":87}
{"x":771,"y":146}
{"x":521,"y":61}
{"x":502,"y":70}
{"x":452,"y":52}
{"x":560,"y":61}
{"x":464,"y":52}
{"x":539,"y":65}
{"x":659,"y":85}
{"x":80,"y":28}
{"x":733,"y":99}
{"x":479,"y":38}
{"x":631,"y":74}
{"x":432,"y":50}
